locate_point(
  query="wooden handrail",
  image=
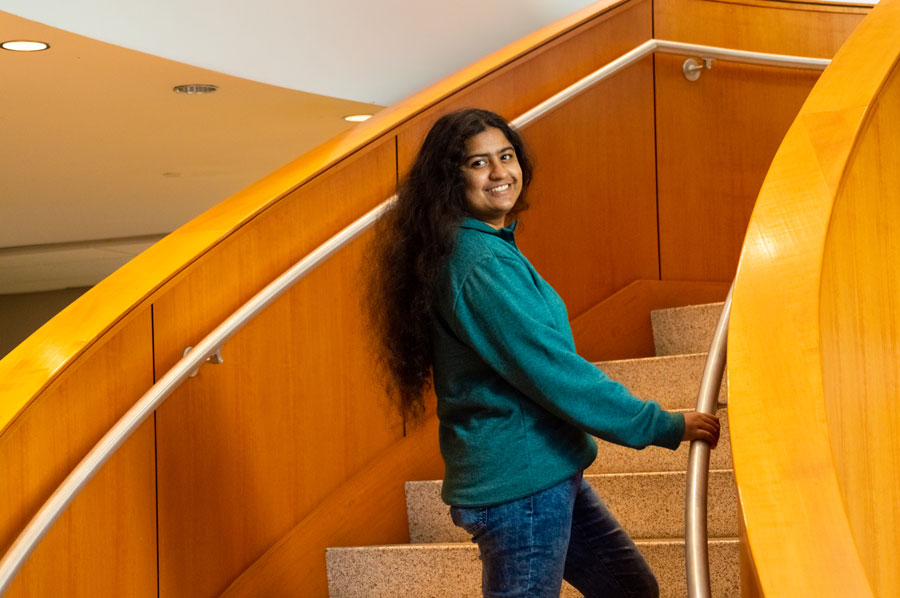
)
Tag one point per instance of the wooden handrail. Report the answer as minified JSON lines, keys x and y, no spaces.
{"x":804,"y":449}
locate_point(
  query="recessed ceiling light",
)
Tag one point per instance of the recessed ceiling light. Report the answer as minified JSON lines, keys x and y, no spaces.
{"x":195,"y":88}
{"x":357,"y":118}
{"x":21,"y":45}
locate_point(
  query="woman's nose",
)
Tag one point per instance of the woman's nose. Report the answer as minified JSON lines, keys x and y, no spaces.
{"x":498,"y":169}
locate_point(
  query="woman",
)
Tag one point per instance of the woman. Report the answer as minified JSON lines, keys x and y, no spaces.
{"x":454,"y":297}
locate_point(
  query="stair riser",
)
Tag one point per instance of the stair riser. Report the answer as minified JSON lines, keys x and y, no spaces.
{"x":684,"y":329}
{"x":454,"y":571}
{"x":613,"y":458}
{"x":673,"y":382}
{"x":647,"y":506}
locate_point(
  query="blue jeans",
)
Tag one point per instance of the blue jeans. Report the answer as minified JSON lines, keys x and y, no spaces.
{"x":528,"y":546}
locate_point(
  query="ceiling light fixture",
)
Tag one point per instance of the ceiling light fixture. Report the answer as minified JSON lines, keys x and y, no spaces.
{"x":357,"y":118}
{"x":195,"y":88}
{"x":21,"y":45}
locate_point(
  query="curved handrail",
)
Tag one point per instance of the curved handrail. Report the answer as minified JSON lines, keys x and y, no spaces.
{"x":696,"y":549}
{"x":40,"y":524}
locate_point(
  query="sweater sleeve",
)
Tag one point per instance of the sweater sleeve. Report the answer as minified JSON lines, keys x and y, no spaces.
{"x":502,"y":315}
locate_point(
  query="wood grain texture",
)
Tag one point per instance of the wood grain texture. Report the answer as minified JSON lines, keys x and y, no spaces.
{"x":295,"y":566}
{"x":592,"y":226}
{"x":860,"y":324}
{"x":105,"y":543}
{"x":811,"y":29}
{"x":249,"y":447}
{"x":715,"y":140}
{"x":750,"y":587}
{"x":716,"y":136}
{"x":791,"y":457}
{"x":619,"y":327}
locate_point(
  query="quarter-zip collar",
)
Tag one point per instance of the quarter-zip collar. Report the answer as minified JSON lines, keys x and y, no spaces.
{"x":506,"y":233}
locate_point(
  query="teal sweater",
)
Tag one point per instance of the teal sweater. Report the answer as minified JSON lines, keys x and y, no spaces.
{"x":517,"y":405}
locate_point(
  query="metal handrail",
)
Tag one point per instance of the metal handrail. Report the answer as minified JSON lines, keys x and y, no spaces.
{"x":696,"y":546}
{"x":38,"y":527}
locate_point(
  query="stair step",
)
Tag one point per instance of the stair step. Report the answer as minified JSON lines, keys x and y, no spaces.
{"x":452,"y":570}
{"x":614,"y":458}
{"x":672,"y":381}
{"x":681,"y":330}
{"x":648,"y":505}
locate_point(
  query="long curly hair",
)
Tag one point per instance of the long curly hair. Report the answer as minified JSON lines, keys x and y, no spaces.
{"x":413,"y":239}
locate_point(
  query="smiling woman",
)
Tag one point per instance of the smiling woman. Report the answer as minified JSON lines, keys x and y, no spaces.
{"x":454,"y":299}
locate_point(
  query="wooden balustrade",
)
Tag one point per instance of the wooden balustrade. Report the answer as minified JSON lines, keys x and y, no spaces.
{"x":255,"y":458}
{"x":813,"y":353}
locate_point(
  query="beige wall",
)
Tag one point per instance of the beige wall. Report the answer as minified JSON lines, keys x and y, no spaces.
{"x":22,"y":314}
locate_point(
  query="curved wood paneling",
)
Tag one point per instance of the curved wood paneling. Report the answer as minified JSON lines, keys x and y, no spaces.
{"x":250,"y":449}
{"x":45,"y":443}
{"x":860,"y":327}
{"x":806,"y":382}
{"x":293,"y":411}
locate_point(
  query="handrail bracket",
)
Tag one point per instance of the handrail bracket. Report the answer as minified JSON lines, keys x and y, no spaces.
{"x":214,"y":359}
{"x":694,"y":67}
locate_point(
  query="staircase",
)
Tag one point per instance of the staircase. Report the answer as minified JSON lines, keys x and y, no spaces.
{"x":644,"y":490}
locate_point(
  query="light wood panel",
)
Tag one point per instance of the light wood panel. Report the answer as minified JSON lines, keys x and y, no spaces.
{"x":295,"y":566}
{"x":783,"y":427}
{"x":591,"y":229}
{"x":105,"y":544}
{"x":860,"y":324}
{"x":813,"y":29}
{"x":716,"y":136}
{"x":248,"y":448}
{"x":715,"y":140}
{"x":619,"y":327}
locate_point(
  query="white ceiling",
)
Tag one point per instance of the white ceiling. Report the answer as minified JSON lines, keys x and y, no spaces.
{"x":376,"y":52}
{"x":99,"y":156}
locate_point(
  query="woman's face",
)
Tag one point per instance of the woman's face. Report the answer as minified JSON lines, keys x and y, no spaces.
{"x":493,"y":176}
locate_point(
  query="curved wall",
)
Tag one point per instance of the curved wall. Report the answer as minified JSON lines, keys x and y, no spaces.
{"x":260,"y":446}
{"x":813,"y":364}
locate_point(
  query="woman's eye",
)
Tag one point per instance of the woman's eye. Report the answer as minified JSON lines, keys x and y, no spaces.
{"x":477,"y":164}
{"x":507,"y":157}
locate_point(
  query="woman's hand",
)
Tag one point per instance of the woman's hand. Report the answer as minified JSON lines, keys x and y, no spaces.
{"x":700,"y":426}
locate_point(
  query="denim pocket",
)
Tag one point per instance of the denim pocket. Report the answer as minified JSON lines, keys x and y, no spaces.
{"x":471,"y":519}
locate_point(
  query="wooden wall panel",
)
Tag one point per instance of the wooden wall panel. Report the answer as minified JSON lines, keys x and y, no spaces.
{"x":591,"y":229}
{"x":619,"y":327}
{"x":860,"y":323}
{"x":249,"y":447}
{"x":105,"y":543}
{"x":715,"y":140}
{"x":295,"y":566}
{"x":717,"y":136}
{"x":815,"y":29}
